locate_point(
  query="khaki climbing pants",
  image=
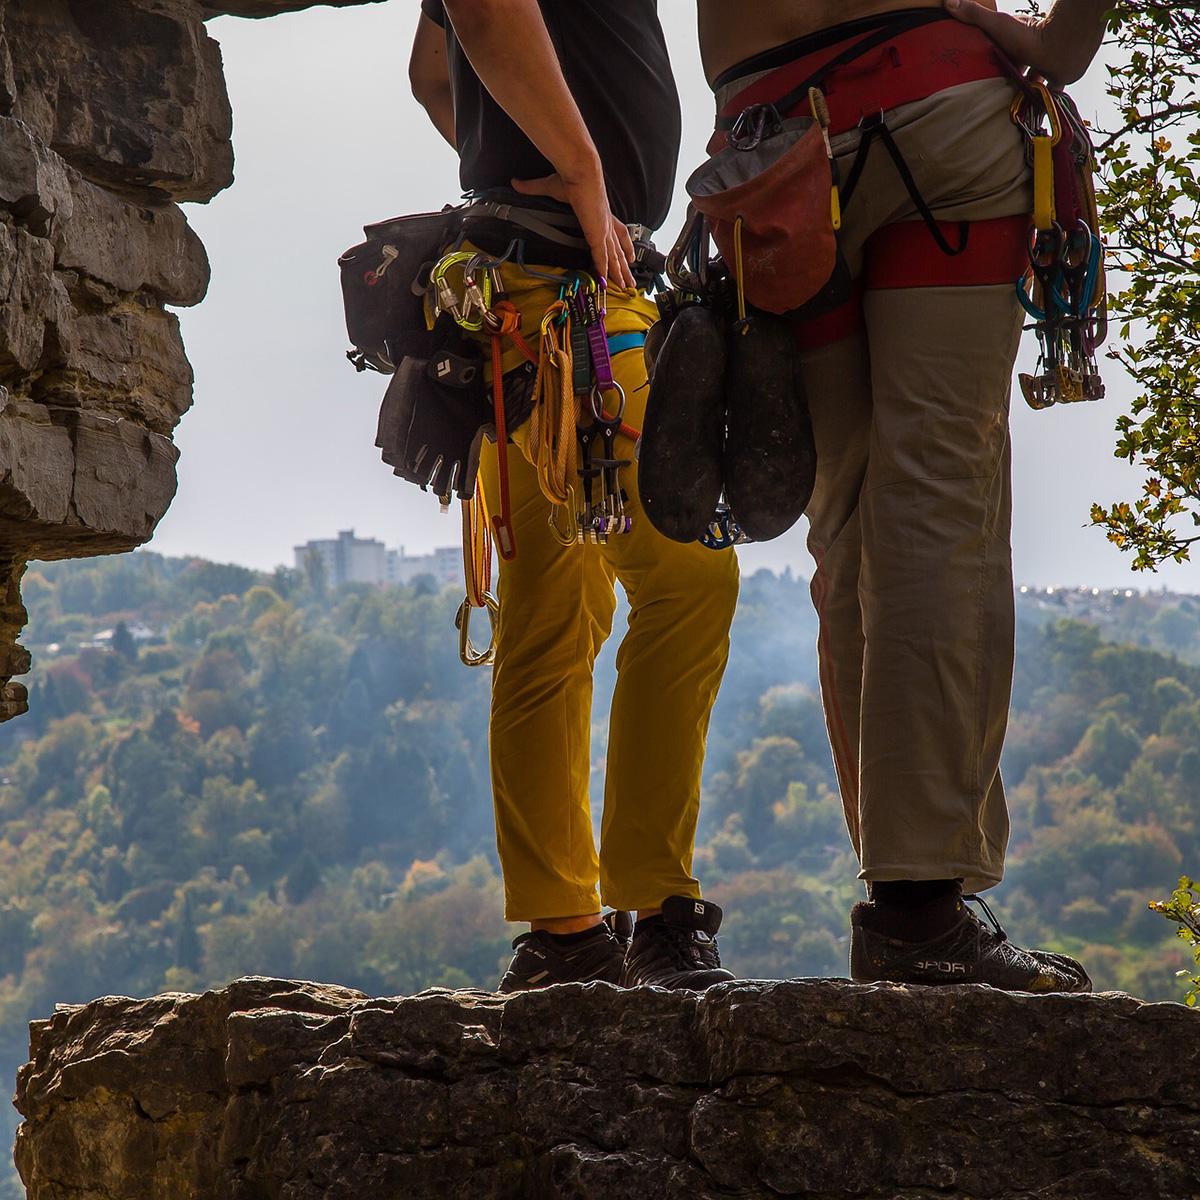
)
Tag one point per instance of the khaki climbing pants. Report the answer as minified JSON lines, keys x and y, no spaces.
{"x":909,"y":520}
{"x":556,"y":609}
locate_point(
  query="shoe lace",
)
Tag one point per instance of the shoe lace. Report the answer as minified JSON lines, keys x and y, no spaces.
{"x":992,"y":919}
{"x":692,"y":949}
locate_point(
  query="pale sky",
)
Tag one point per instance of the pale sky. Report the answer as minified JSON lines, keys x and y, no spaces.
{"x":279,"y":446}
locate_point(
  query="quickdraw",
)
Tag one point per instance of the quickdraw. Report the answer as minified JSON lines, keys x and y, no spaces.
{"x":601,"y":514}
{"x":1064,"y":289}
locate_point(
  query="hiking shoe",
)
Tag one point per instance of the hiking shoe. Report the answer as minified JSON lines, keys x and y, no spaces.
{"x":678,"y":949}
{"x":683,"y":429}
{"x":541,"y":959}
{"x":969,"y":952}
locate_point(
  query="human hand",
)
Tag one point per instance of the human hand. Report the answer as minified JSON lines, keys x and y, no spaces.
{"x":1059,"y":47}
{"x":608,"y":239}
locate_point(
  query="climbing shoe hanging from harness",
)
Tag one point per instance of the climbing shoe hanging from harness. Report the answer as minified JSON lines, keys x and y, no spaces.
{"x":683,"y":432}
{"x":770,"y":459}
{"x":727,"y":413}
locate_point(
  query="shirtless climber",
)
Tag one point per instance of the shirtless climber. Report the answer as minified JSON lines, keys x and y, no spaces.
{"x":908,"y":386}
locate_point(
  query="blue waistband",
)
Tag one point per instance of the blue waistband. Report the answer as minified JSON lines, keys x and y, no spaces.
{"x":626,"y":341}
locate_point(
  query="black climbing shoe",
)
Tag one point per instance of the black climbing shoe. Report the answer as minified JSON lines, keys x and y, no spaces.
{"x":969,"y":952}
{"x":542,"y":959}
{"x":678,"y":949}
{"x":770,"y":461}
{"x":679,"y":454}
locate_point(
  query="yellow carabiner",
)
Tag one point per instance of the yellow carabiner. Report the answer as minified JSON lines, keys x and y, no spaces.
{"x":474,"y":297}
{"x":462,"y":622}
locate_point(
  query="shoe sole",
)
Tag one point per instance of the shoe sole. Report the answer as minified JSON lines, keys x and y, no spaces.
{"x":683,"y":430}
{"x":770,"y":461}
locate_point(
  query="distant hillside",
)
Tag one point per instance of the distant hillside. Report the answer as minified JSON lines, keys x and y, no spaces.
{"x":226,"y":772}
{"x":1158,"y":620}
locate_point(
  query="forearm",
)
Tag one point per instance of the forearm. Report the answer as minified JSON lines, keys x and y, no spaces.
{"x":1078,"y":26}
{"x":1060,"y":46}
{"x":507,"y":43}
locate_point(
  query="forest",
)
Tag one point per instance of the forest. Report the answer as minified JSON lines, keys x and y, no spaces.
{"x":226,"y":772}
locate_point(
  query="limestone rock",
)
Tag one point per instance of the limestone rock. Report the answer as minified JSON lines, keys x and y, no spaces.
{"x":37,"y":463}
{"x":26,"y":274}
{"x":813,"y":1088}
{"x":121,"y":359}
{"x":132,"y":248}
{"x":124,"y":476}
{"x":129,"y":92}
{"x":111,"y":112}
{"x":108,"y":109}
{"x":268,"y":8}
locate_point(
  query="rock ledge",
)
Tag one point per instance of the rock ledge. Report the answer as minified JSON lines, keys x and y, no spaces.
{"x":814,"y":1088}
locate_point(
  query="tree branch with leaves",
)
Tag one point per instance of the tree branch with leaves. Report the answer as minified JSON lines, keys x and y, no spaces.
{"x":1150,"y":216}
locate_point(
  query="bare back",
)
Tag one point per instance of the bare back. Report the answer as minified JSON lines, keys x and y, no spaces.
{"x":732,"y":31}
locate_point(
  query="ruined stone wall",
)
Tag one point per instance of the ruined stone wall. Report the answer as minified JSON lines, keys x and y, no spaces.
{"x":111,"y":112}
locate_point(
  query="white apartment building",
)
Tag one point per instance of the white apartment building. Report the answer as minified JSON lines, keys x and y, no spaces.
{"x":351,"y":559}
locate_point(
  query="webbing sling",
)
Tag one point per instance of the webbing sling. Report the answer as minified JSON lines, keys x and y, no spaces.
{"x":874,"y":127}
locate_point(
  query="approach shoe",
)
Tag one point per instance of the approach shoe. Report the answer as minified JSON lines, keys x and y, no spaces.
{"x":541,"y":959}
{"x":969,"y":952}
{"x":678,"y":949}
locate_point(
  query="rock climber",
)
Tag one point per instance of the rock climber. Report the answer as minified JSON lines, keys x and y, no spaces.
{"x":571,"y":108}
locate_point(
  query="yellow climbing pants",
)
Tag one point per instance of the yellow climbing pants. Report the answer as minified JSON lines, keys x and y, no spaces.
{"x":556,"y":609}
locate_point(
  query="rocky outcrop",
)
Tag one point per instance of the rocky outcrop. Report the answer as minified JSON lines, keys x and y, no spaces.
{"x":815,"y":1088}
{"x":111,"y":112}
{"x":269,"y":8}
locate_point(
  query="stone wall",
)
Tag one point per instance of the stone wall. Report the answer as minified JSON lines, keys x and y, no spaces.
{"x":111,"y":112}
{"x":816,"y":1088}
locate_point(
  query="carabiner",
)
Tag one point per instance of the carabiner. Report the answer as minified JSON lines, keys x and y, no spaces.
{"x":601,"y":414}
{"x":462,"y":622}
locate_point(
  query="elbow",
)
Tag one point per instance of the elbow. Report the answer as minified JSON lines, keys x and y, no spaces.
{"x":419,"y":85}
{"x":428,"y":86}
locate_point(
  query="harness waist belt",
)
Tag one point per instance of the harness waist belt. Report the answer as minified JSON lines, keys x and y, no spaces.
{"x":915,"y":61}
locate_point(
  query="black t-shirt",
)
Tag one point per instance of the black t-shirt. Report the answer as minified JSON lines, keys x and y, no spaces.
{"x":614,"y":59}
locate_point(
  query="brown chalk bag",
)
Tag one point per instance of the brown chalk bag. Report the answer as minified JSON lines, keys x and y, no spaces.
{"x":776,"y":176}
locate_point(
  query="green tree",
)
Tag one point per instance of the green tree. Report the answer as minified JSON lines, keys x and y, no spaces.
{"x":1150,"y":210}
{"x":123,"y":643}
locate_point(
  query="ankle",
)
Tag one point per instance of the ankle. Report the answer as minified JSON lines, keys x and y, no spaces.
{"x":914,"y":910}
{"x":561,"y":925}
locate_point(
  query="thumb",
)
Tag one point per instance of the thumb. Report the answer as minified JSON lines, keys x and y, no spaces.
{"x":547,"y":185}
{"x":968,"y":11}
